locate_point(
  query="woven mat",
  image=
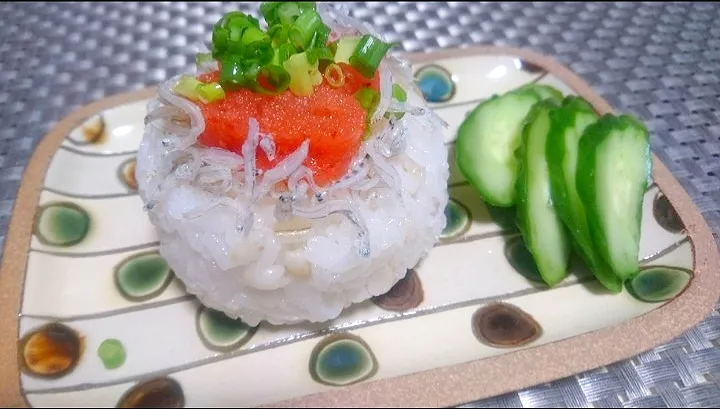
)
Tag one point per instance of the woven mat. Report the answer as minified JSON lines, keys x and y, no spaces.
{"x":659,"y":61}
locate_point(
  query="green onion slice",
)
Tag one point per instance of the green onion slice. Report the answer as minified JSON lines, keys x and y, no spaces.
{"x":368,"y":55}
{"x":210,"y":92}
{"x":334,"y":76}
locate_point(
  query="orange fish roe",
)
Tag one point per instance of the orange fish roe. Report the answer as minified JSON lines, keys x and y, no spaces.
{"x":331,"y":118}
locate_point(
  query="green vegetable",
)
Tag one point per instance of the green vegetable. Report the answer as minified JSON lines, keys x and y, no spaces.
{"x":544,"y":233}
{"x":303,"y":75}
{"x":276,"y":77}
{"x":542,"y":91}
{"x":567,"y":126}
{"x":248,"y":55}
{"x":398,"y":94}
{"x":319,"y":54}
{"x":288,"y":12}
{"x":282,"y":53}
{"x":368,"y":99}
{"x":334,"y":75}
{"x":614,"y":164}
{"x":486,"y":144}
{"x":187,"y":87}
{"x":210,"y":92}
{"x":345,"y":48}
{"x":305,"y":29}
{"x":368,"y":54}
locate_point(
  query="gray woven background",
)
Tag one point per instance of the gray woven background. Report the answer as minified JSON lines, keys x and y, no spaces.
{"x":656,"y":60}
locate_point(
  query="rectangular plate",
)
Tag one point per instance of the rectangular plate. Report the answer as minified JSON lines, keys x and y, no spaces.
{"x":429,"y":348}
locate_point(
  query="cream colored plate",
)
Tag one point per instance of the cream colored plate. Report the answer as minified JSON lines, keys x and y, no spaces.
{"x":103,"y":321}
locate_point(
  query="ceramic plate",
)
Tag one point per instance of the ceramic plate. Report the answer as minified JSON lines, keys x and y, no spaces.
{"x":92,"y":315}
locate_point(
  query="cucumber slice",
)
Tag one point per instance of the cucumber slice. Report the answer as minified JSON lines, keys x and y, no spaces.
{"x":543,"y":91}
{"x":545,"y":235}
{"x":614,"y":164}
{"x":567,"y":126}
{"x":486,"y":144}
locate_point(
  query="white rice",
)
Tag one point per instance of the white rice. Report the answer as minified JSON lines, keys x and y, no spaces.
{"x":218,"y":221}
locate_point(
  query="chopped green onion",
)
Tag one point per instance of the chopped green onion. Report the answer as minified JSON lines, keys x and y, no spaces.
{"x":220,"y":39}
{"x":320,"y":40}
{"x":306,"y":6}
{"x":262,"y":52}
{"x":334,"y":76}
{"x":282,"y":53}
{"x":316,"y":77}
{"x":210,"y":92}
{"x":255,"y":22}
{"x":269,"y":10}
{"x":333,"y":47}
{"x":250,"y":74}
{"x":267,"y":61}
{"x":316,"y":54}
{"x":231,"y":71}
{"x":253,"y":34}
{"x":287,"y":12}
{"x":368,"y":55}
{"x":276,"y":77}
{"x":368,"y":98}
{"x":305,"y":29}
{"x":235,"y":39}
{"x":399,"y":93}
{"x":345,"y":48}
{"x":301,"y":74}
{"x":278,"y":34}
{"x":187,"y":87}
{"x":235,"y":17}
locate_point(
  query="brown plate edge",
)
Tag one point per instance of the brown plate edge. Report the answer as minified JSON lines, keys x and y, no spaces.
{"x":446,"y":386}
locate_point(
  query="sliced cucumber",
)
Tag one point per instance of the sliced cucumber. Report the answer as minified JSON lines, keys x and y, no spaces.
{"x":486,"y":144}
{"x":567,"y":126}
{"x":545,"y":235}
{"x":543,"y":91}
{"x":613,"y":168}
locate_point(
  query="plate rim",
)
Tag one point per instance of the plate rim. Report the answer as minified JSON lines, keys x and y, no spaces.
{"x":444,"y":386}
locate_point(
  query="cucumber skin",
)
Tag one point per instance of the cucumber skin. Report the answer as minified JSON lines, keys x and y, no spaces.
{"x":570,"y":209}
{"x":523,"y":209}
{"x":542,"y":91}
{"x":464,"y":157}
{"x":592,"y":138}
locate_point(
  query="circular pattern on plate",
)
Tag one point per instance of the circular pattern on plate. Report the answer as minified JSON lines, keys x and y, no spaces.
{"x":504,"y":325}
{"x":126,"y":173}
{"x":521,"y":259}
{"x":220,"y":332}
{"x":527,"y":66}
{"x":435,"y":83}
{"x":659,"y":283}
{"x":404,"y":295}
{"x":142,"y":276}
{"x":155,"y":393}
{"x":666,"y":215}
{"x":112,"y":353}
{"x":61,"y":224}
{"x":505,"y":217}
{"x":458,"y":220}
{"x":93,"y":130}
{"x":341,"y":360}
{"x":50,"y":351}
